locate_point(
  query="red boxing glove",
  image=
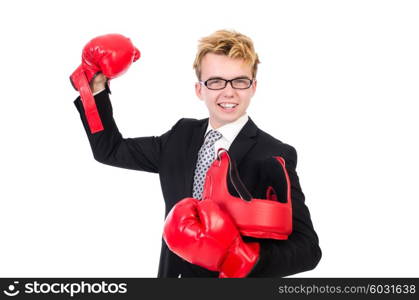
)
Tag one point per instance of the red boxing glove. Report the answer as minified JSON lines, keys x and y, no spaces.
{"x":110,"y":54}
{"x":202,"y":234}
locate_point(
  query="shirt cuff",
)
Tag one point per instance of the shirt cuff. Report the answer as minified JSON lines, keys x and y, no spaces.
{"x":94,"y":94}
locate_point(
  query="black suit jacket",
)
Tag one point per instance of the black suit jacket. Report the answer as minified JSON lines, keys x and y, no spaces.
{"x":173,"y":156}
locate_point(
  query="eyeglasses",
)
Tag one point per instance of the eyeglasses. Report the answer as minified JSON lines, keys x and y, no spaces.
{"x":240,"y":83}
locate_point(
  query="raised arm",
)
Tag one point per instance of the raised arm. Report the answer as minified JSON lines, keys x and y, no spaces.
{"x":109,"y":147}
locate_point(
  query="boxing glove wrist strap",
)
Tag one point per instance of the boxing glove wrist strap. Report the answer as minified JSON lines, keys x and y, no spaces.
{"x":240,"y":259}
{"x":89,"y":104}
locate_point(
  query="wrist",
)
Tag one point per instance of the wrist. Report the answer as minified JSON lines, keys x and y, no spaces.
{"x":98,"y":91}
{"x":240,"y":259}
{"x":97,"y":88}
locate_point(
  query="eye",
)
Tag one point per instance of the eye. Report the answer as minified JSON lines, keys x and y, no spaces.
{"x":215,"y":84}
{"x":241,"y":81}
{"x":214,"y":81}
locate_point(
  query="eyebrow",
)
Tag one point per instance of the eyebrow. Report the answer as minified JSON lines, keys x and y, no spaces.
{"x":239,"y":77}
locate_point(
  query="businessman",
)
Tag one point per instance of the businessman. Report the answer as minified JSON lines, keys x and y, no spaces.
{"x":226,"y":68}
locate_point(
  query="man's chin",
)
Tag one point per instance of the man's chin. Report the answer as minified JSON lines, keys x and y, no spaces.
{"x":220,"y":121}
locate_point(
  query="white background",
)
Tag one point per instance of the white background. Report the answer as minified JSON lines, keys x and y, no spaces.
{"x":338,"y":81}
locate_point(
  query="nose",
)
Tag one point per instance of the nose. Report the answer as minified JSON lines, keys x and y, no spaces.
{"x":228,"y":90}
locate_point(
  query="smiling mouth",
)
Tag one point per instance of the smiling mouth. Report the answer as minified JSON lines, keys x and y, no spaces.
{"x":227,"y":105}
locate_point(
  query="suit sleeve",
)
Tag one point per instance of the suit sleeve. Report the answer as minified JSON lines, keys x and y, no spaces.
{"x":301,"y":252}
{"x":109,"y":147}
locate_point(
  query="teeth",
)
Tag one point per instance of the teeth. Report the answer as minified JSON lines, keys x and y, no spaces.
{"x":228,"y":105}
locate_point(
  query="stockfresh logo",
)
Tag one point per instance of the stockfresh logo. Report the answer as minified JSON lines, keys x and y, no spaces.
{"x":12,"y":289}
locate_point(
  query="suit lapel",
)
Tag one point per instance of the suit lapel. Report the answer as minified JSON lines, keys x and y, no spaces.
{"x":192,"y":154}
{"x":243,"y":142}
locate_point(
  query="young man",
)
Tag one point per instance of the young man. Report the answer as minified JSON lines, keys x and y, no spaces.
{"x":226,"y":67}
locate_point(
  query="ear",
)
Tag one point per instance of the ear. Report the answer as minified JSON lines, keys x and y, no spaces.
{"x":254,"y":84}
{"x":198,"y":90}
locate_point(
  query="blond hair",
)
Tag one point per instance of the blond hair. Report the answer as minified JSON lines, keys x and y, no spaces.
{"x":230,"y":43}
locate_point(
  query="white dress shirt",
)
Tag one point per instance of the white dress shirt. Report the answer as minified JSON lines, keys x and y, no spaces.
{"x":229,"y":132}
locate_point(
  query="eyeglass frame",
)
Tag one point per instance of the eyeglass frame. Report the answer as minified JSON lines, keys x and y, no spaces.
{"x":226,"y":82}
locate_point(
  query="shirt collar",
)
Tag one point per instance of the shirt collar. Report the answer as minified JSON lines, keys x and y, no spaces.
{"x":230,"y":130}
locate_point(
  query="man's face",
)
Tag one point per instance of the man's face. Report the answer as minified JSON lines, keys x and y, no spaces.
{"x":219,"y":102}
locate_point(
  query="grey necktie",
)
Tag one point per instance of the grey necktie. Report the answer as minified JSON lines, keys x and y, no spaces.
{"x":206,"y":156}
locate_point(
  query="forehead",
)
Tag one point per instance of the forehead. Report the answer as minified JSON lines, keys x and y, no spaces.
{"x":216,"y":65}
